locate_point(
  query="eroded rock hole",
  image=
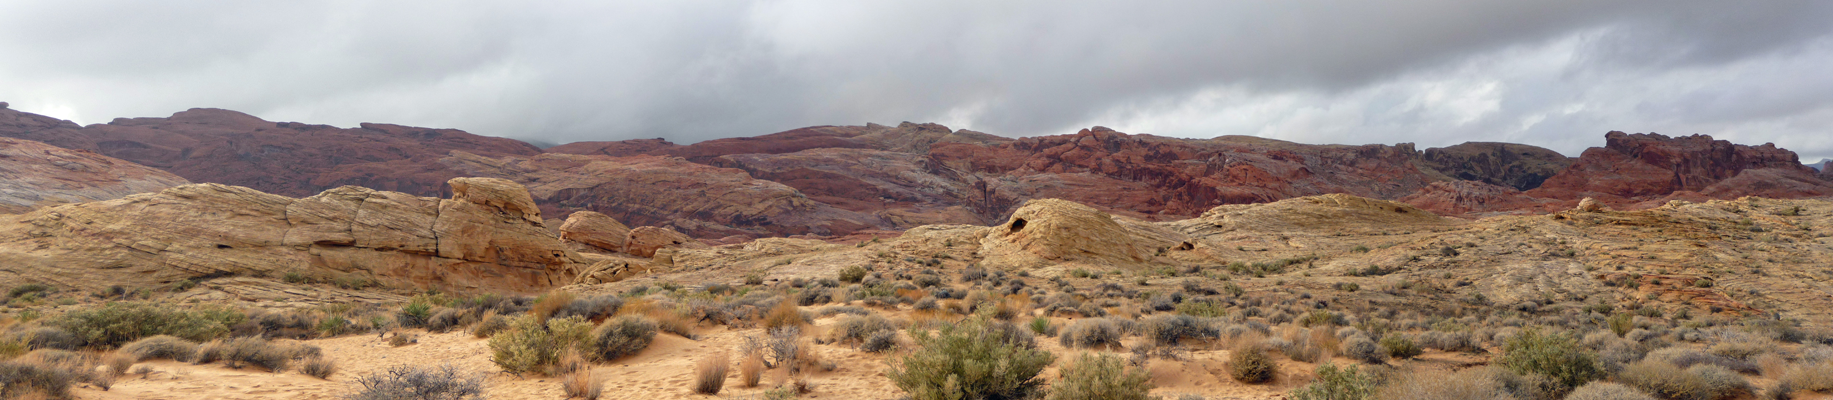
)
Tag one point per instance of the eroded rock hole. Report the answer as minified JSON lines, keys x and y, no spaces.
{"x":1017,"y":224}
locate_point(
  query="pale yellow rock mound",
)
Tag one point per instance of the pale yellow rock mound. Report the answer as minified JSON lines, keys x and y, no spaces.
{"x":1053,"y":230}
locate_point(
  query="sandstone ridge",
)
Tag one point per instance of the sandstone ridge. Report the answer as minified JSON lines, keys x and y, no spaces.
{"x":34,"y":174}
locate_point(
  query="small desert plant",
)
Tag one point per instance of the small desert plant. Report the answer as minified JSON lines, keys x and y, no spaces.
{"x":415,"y":313}
{"x":529,"y":345}
{"x":580,"y":384}
{"x":1166,"y":330}
{"x":621,"y":337}
{"x":162,"y":347}
{"x":19,"y":378}
{"x":405,"y":382}
{"x":490,"y":325}
{"x":1815,"y":376}
{"x":237,"y":352}
{"x":852,"y":274}
{"x":548,"y":304}
{"x":1361,"y":348}
{"x":1470,"y":383}
{"x":1555,"y":356}
{"x":1248,"y":363}
{"x":1400,"y":346}
{"x":710,"y":374}
{"x":115,"y":323}
{"x":855,"y":330}
{"x":118,"y":363}
{"x":1091,"y":332}
{"x":1337,"y":384}
{"x":1042,"y":326}
{"x":318,"y":367}
{"x":1701,"y":382}
{"x":751,"y":370}
{"x":1101,"y":376}
{"x":880,"y":341}
{"x":592,"y":308}
{"x":1607,"y":391}
{"x":976,"y":358}
{"x":785,"y":313}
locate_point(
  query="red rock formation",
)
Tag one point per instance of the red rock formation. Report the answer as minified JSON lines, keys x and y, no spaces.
{"x":1472,"y":198}
{"x":615,"y":149}
{"x":287,"y":158}
{"x":34,"y":174}
{"x":1518,"y":166}
{"x":1633,"y":168}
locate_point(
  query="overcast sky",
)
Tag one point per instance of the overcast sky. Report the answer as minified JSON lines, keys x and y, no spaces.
{"x":1551,"y":73}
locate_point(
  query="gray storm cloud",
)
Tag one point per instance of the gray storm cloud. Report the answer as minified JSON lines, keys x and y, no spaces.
{"x":1550,"y":73}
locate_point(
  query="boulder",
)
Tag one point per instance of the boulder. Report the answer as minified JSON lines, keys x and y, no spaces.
{"x":595,"y":229}
{"x":644,"y":241}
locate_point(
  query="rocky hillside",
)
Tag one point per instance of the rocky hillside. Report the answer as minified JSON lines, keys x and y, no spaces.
{"x":34,"y":174}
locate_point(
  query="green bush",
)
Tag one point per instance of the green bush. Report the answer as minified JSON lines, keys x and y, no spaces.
{"x":161,"y":347}
{"x":975,"y":359}
{"x":1400,"y":346}
{"x":1042,"y":326}
{"x":1250,"y":364}
{"x":1337,"y":384}
{"x":115,"y":323}
{"x":1101,"y":377}
{"x":1204,"y":309}
{"x":852,"y":274}
{"x":1555,"y":356}
{"x":621,"y":337}
{"x":530,"y":346}
{"x":415,"y":314}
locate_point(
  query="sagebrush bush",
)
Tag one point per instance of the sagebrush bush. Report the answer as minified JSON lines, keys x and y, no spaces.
{"x":237,"y":352}
{"x":318,"y":367}
{"x":1250,"y":364}
{"x":1810,"y":375}
{"x":975,"y":358}
{"x":852,"y":274}
{"x":1701,"y":382}
{"x":621,"y":337}
{"x":1361,"y":348}
{"x":1555,"y":356}
{"x":593,"y":308}
{"x":710,"y":374}
{"x":45,"y":337}
{"x":550,"y":303}
{"x":580,"y":384}
{"x":1607,"y":391}
{"x":112,"y":324}
{"x":490,"y":325}
{"x":1101,"y":376}
{"x":162,"y":347}
{"x":529,"y":345}
{"x":1466,"y":384}
{"x":1165,"y":330}
{"x":1334,"y":383}
{"x":855,"y":330}
{"x":880,"y":341}
{"x":408,"y":382}
{"x":1091,"y":332}
{"x":785,"y":313}
{"x":19,"y":379}
{"x":1400,"y":346}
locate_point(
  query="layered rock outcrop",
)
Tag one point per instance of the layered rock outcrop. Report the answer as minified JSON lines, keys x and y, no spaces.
{"x":595,"y":229}
{"x":1517,"y":166}
{"x":478,"y":239}
{"x":34,"y":174}
{"x":1046,"y":231}
{"x":286,"y":158}
{"x":1633,"y":168}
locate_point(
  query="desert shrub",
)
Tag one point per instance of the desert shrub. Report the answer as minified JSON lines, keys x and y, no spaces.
{"x":1250,"y":364}
{"x":751,"y":370}
{"x":1337,"y":384}
{"x":415,"y":313}
{"x":1320,"y":318}
{"x":1607,"y":391}
{"x":1167,"y":330}
{"x":1815,"y":376}
{"x":1101,"y":376}
{"x":1091,"y":332}
{"x":1361,"y":348}
{"x":1701,"y":382}
{"x":621,"y":337}
{"x":1042,"y":326}
{"x":579,"y":384}
{"x":785,"y":313}
{"x":1684,"y":357}
{"x":446,"y":319}
{"x":20,"y":378}
{"x":529,"y":345}
{"x":404,"y":382}
{"x":1467,"y":384}
{"x":236,"y":352}
{"x":1458,"y":341}
{"x":814,"y":296}
{"x":318,"y":367}
{"x":1742,"y":349}
{"x":162,"y":347}
{"x":115,"y":323}
{"x":710,"y":374}
{"x":855,"y":330}
{"x":117,"y":364}
{"x":1555,"y":356}
{"x":976,"y":358}
{"x":45,"y":337}
{"x":1400,"y":346}
{"x":1205,"y":309}
{"x":880,"y":341}
{"x":547,"y":305}
{"x":852,"y":274}
{"x":490,"y":325}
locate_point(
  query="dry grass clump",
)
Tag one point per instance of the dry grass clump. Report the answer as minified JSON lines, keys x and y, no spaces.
{"x":595,"y":308}
{"x":237,"y":352}
{"x":1101,"y":376}
{"x":1091,"y":332}
{"x":857,"y":330}
{"x":490,"y":325}
{"x":48,"y":372}
{"x":1248,"y":363}
{"x":117,"y":364}
{"x":580,"y":384}
{"x":710,"y":374}
{"x":162,"y":347}
{"x":621,"y":337}
{"x":1471,"y":383}
{"x":1815,"y":376}
{"x":751,"y":370}
{"x":407,"y":382}
{"x":1168,"y":330}
{"x":1361,"y":348}
{"x":1700,"y":382}
{"x":551,"y":303}
{"x":318,"y":367}
{"x":1607,"y":391}
{"x":785,"y":313}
